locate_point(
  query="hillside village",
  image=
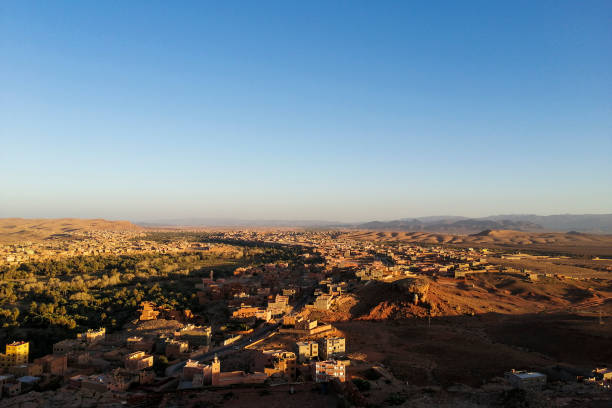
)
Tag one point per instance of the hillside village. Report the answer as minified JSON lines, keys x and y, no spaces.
{"x":275,"y":326}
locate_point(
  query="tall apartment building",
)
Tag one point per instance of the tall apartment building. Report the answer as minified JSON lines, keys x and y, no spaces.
{"x":324,"y":371}
{"x":332,"y":347}
{"x":16,"y":353}
{"x":307,"y":350}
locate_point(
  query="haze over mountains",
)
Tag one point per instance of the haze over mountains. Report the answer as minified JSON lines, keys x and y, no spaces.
{"x":592,"y":223}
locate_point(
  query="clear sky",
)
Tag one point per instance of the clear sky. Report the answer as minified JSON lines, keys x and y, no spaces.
{"x":304,"y":110}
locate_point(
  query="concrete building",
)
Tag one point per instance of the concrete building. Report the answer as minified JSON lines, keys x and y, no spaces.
{"x":331,"y":347}
{"x":306,"y":324}
{"x":139,"y":343}
{"x":307,"y":350}
{"x":92,"y":336}
{"x":29,"y":369}
{"x":67,"y":346}
{"x":202,"y":374}
{"x":525,"y":379}
{"x":306,"y":328}
{"x":53,"y":364}
{"x":138,"y":360}
{"x":196,"y":335}
{"x":245,"y":312}
{"x":279,"y":307}
{"x":174,"y":348}
{"x":263,"y":314}
{"x":323,"y":302}
{"x":324,"y":371}
{"x":96,"y":383}
{"x":278,"y":363}
{"x":16,"y":354}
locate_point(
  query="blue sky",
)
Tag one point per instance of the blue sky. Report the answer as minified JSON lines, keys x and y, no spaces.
{"x":304,"y":110}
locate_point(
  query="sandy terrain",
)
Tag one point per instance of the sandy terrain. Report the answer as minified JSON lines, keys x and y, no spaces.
{"x":477,"y":294}
{"x":453,"y":349}
{"x":21,"y":229}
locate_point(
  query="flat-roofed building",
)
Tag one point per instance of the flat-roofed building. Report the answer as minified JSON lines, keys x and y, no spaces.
{"x":196,"y":335}
{"x":96,"y":383}
{"x":278,"y":308}
{"x":323,"y":302}
{"x":174,"y":348}
{"x":16,"y":354}
{"x":55,"y":364}
{"x":324,"y":371}
{"x":67,"y":346}
{"x":92,"y":336}
{"x":278,"y":362}
{"x":282,"y":299}
{"x":331,"y":347}
{"x":525,"y":379}
{"x":138,"y":360}
{"x":306,"y":324}
{"x":139,"y":343}
{"x":263,"y":314}
{"x":307,"y":350}
{"x":30,"y":369}
{"x":202,"y":374}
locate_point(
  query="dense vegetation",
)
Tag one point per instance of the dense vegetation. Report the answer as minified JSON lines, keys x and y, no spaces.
{"x":58,"y":298}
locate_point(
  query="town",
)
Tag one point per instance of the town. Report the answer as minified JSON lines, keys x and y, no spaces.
{"x":270,"y":324}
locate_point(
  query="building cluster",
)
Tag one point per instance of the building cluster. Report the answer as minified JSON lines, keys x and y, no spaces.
{"x":98,"y":242}
{"x":85,"y":243}
{"x":259,"y":302}
{"x":258,"y":293}
{"x":601,"y":377}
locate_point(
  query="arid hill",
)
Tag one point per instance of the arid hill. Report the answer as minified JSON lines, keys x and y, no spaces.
{"x":458,"y":324}
{"x":478,"y":294}
{"x":22,"y":229}
{"x":552,"y":242}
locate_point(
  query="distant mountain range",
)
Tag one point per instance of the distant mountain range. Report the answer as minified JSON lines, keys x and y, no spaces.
{"x":592,"y":223}
{"x":461,"y":226}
